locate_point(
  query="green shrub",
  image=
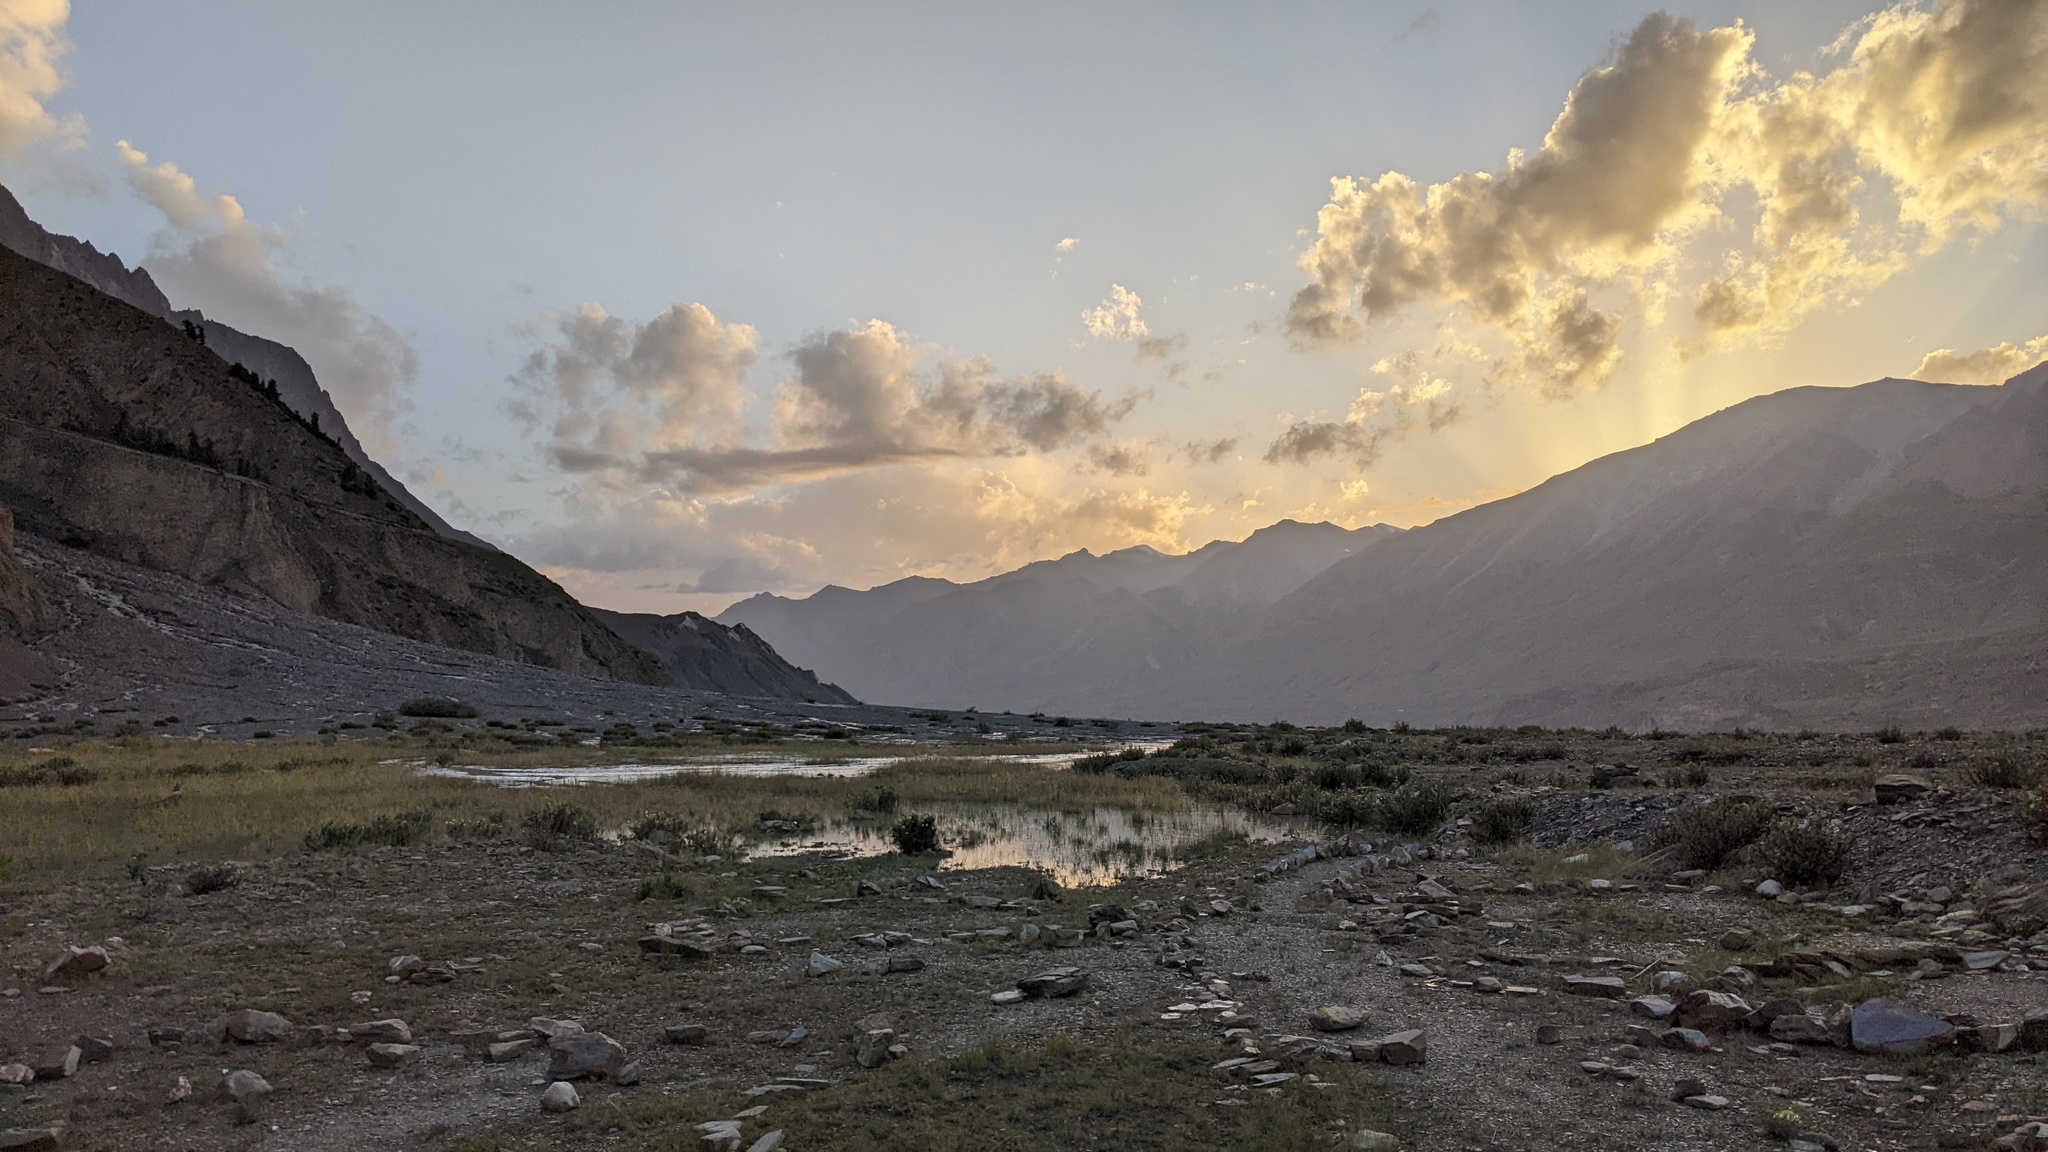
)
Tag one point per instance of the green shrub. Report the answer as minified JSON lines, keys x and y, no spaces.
{"x":1805,"y":855}
{"x":1688,"y":776}
{"x":1890,"y":735}
{"x":1413,"y":809}
{"x":59,"y":770}
{"x":397,"y":831}
{"x":1503,"y":821}
{"x":667,"y":886}
{"x":2004,"y":770}
{"x":482,"y":828}
{"x":211,"y":878}
{"x":438,"y":708}
{"x":713,"y":842}
{"x":550,"y":827}
{"x":879,"y":799}
{"x":915,"y":835}
{"x":1708,"y":835}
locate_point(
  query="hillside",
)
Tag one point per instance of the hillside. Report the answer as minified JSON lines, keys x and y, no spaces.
{"x":126,"y":437}
{"x":705,"y":656}
{"x":1025,"y":639}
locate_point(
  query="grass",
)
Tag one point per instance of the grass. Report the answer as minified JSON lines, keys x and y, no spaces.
{"x":1707,"y":836}
{"x":1070,"y":1095}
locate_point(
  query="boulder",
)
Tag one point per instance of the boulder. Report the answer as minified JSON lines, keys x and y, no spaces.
{"x":1336,"y":1018}
{"x":506,"y":1051}
{"x":392,"y":1031}
{"x":77,"y":963}
{"x":1054,"y":982}
{"x":1653,"y":1007}
{"x":1409,"y":1047}
{"x":391,"y":1055}
{"x":1737,"y":939}
{"x":579,"y":1054}
{"x":252,"y":1026}
{"x":2034,"y":1031}
{"x":243,"y":1086}
{"x":93,"y":1049}
{"x":1897,"y":1029}
{"x":1605,"y":987}
{"x":1897,"y":787}
{"x":1684,"y":1040}
{"x":57,"y":1062}
{"x":560,"y":1097}
{"x":1712,"y":1011}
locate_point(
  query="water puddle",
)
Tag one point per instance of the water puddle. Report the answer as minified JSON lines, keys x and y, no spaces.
{"x":761,"y":764}
{"x":1077,"y":849}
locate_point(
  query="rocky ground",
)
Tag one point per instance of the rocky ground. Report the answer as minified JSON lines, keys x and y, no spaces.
{"x":1449,"y":995}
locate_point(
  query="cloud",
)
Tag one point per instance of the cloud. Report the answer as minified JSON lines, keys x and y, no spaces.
{"x":1420,"y":401}
{"x":1934,"y":122}
{"x":1988,"y":366}
{"x":212,"y":256}
{"x":659,"y":404}
{"x":1208,"y":452}
{"x":1424,"y":24}
{"x":1068,"y":244}
{"x":42,"y":146}
{"x":1117,"y":317}
{"x":1123,"y":458}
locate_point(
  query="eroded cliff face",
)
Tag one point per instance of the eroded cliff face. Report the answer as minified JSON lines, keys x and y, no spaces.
{"x":120,"y":434}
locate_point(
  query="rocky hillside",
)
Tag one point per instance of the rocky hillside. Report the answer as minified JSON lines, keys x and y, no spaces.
{"x":124,"y":436}
{"x":706,"y":656}
{"x":296,"y":385}
{"x":1050,"y":632}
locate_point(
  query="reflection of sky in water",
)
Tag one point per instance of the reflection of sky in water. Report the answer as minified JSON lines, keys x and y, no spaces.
{"x":764,"y":764}
{"x":1092,"y":848}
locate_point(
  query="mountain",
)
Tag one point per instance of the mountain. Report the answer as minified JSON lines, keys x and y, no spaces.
{"x":1025,"y":639}
{"x":296,"y":384}
{"x":122,"y":435}
{"x":1818,"y":557}
{"x":704,"y":655}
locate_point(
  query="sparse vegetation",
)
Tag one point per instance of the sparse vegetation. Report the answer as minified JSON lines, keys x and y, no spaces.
{"x":438,"y":708}
{"x":1503,"y":821}
{"x":551,"y":828}
{"x":1414,"y":809}
{"x":397,"y":831}
{"x":915,"y":835}
{"x":2003,"y":770}
{"x":1709,"y":835}
{"x":1804,"y":855}
{"x":58,"y":770}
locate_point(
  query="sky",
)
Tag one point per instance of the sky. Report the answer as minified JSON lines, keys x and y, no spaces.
{"x":683,"y":303}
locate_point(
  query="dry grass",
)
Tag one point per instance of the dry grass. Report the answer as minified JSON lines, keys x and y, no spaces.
{"x":177,"y":800}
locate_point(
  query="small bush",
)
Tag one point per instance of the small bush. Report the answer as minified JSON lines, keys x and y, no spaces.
{"x":1688,"y":776}
{"x":667,"y":886}
{"x":881,"y":799}
{"x":396,"y":831}
{"x":2003,"y":770}
{"x":482,"y":828}
{"x":438,"y":708}
{"x":550,"y":827}
{"x":1414,"y":809}
{"x":1804,"y":856}
{"x":60,"y":770}
{"x":658,"y":826}
{"x":915,"y":835}
{"x":211,"y":878}
{"x":1708,"y":835}
{"x":1503,"y":821}
{"x":713,"y":842}
{"x":1890,"y":735}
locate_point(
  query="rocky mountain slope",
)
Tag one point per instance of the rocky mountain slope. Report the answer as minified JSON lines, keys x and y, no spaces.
{"x":1036,"y":637}
{"x":707,"y":656}
{"x":122,"y":435}
{"x":296,"y":384}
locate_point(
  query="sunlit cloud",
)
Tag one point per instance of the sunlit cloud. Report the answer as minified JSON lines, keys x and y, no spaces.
{"x":1993,"y":365}
{"x":40,"y":144}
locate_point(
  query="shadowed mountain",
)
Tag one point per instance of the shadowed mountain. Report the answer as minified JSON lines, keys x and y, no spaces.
{"x":1026,"y":638}
{"x":269,"y":360}
{"x":706,"y":656}
{"x":122,"y":435}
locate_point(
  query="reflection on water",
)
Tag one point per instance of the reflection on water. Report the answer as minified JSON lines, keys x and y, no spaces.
{"x":1094,"y":848}
{"x":739,"y":764}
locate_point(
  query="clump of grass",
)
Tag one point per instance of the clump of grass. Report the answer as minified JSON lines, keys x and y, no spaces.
{"x":557,"y":825}
{"x":670,"y":885}
{"x":880,"y":798}
{"x":211,"y":878}
{"x":1804,"y":855}
{"x":702,"y":842}
{"x":487,"y":827}
{"x":915,"y":835}
{"x":438,"y":708}
{"x":1707,"y":836}
{"x":1503,"y":821}
{"x":1413,"y":809}
{"x":1688,"y":776}
{"x":59,"y":770}
{"x":656,"y":827}
{"x":397,"y":831}
{"x":2004,"y":770}
{"x":1890,"y":734}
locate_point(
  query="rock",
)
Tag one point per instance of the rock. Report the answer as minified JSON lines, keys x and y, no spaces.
{"x":560,"y":1097}
{"x":58,"y":1062}
{"x":769,"y":1142}
{"x":243,"y":1087}
{"x":392,"y":1055}
{"x":1707,"y":1102}
{"x":793,"y":1037}
{"x":16,"y":1074}
{"x":1054,"y":982}
{"x":867,"y":888}
{"x":1770,"y":889}
{"x":875,"y":1044}
{"x":1684,"y":1040}
{"x":822,"y":964}
{"x":1713,"y":1011}
{"x":1419,"y":971}
{"x":1549,"y":1034}
{"x":1800,"y":1028}
{"x":1043,"y":888}
{"x":903,"y":964}
{"x":1372,"y":1141}
{"x":180,"y":1092}
{"x":31,"y":1139}
{"x":1984,"y":961}
{"x":580,"y":1054}
{"x":686,"y":1033}
{"x":93,"y":1049}
{"x":1336,"y":1018}
{"x":2034,"y":1031}
{"x":628,"y":1075}
{"x":1988,"y":1037}
{"x":1606,"y":987}
{"x":1410,"y":1047}
{"x":393,"y":1031}
{"x":1670,"y":981}
{"x":1897,"y":787}
{"x":251,"y":1026}
{"x":1008,"y":996}
{"x":1737,"y":939}
{"x":688,"y":947}
{"x":1897,"y":1029}
{"x":506,"y":1051}
{"x":1653,"y":1007}
{"x":76,"y":963}
{"x":549,"y":1028}
{"x":1738,"y":976}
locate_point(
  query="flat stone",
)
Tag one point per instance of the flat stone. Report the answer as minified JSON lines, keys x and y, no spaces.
{"x":1984,"y":961}
{"x":1708,"y":1102}
{"x":1799,"y":1028}
{"x":1736,"y":939}
{"x":251,"y":1026}
{"x":688,"y":947}
{"x":580,"y":1054}
{"x":1054,"y":982}
{"x":686,"y":1033}
{"x":549,"y":1028}
{"x":1684,"y":1040}
{"x":1605,"y":987}
{"x":392,"y":1031}
{"x":1897,"y":787}
{"x":77,"y":963}
{"x":1898,"y":1029}
{"x":1713,"y":1011}
{"x":1009,"y":996}
{"x":1371,"y":1140}
{"x":58,"y":1062}
{"x":1336,"y":1018}
{"x":560,"y":1097}
{"x":392,"y":1055}
{"x":1419,"y":971}
{"x":822,"y":964}
{"x":768,"y":1142}
{"x":506,"y":1051}
{"x":1653,"y":1007}
{"x":1409,"y":1047}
